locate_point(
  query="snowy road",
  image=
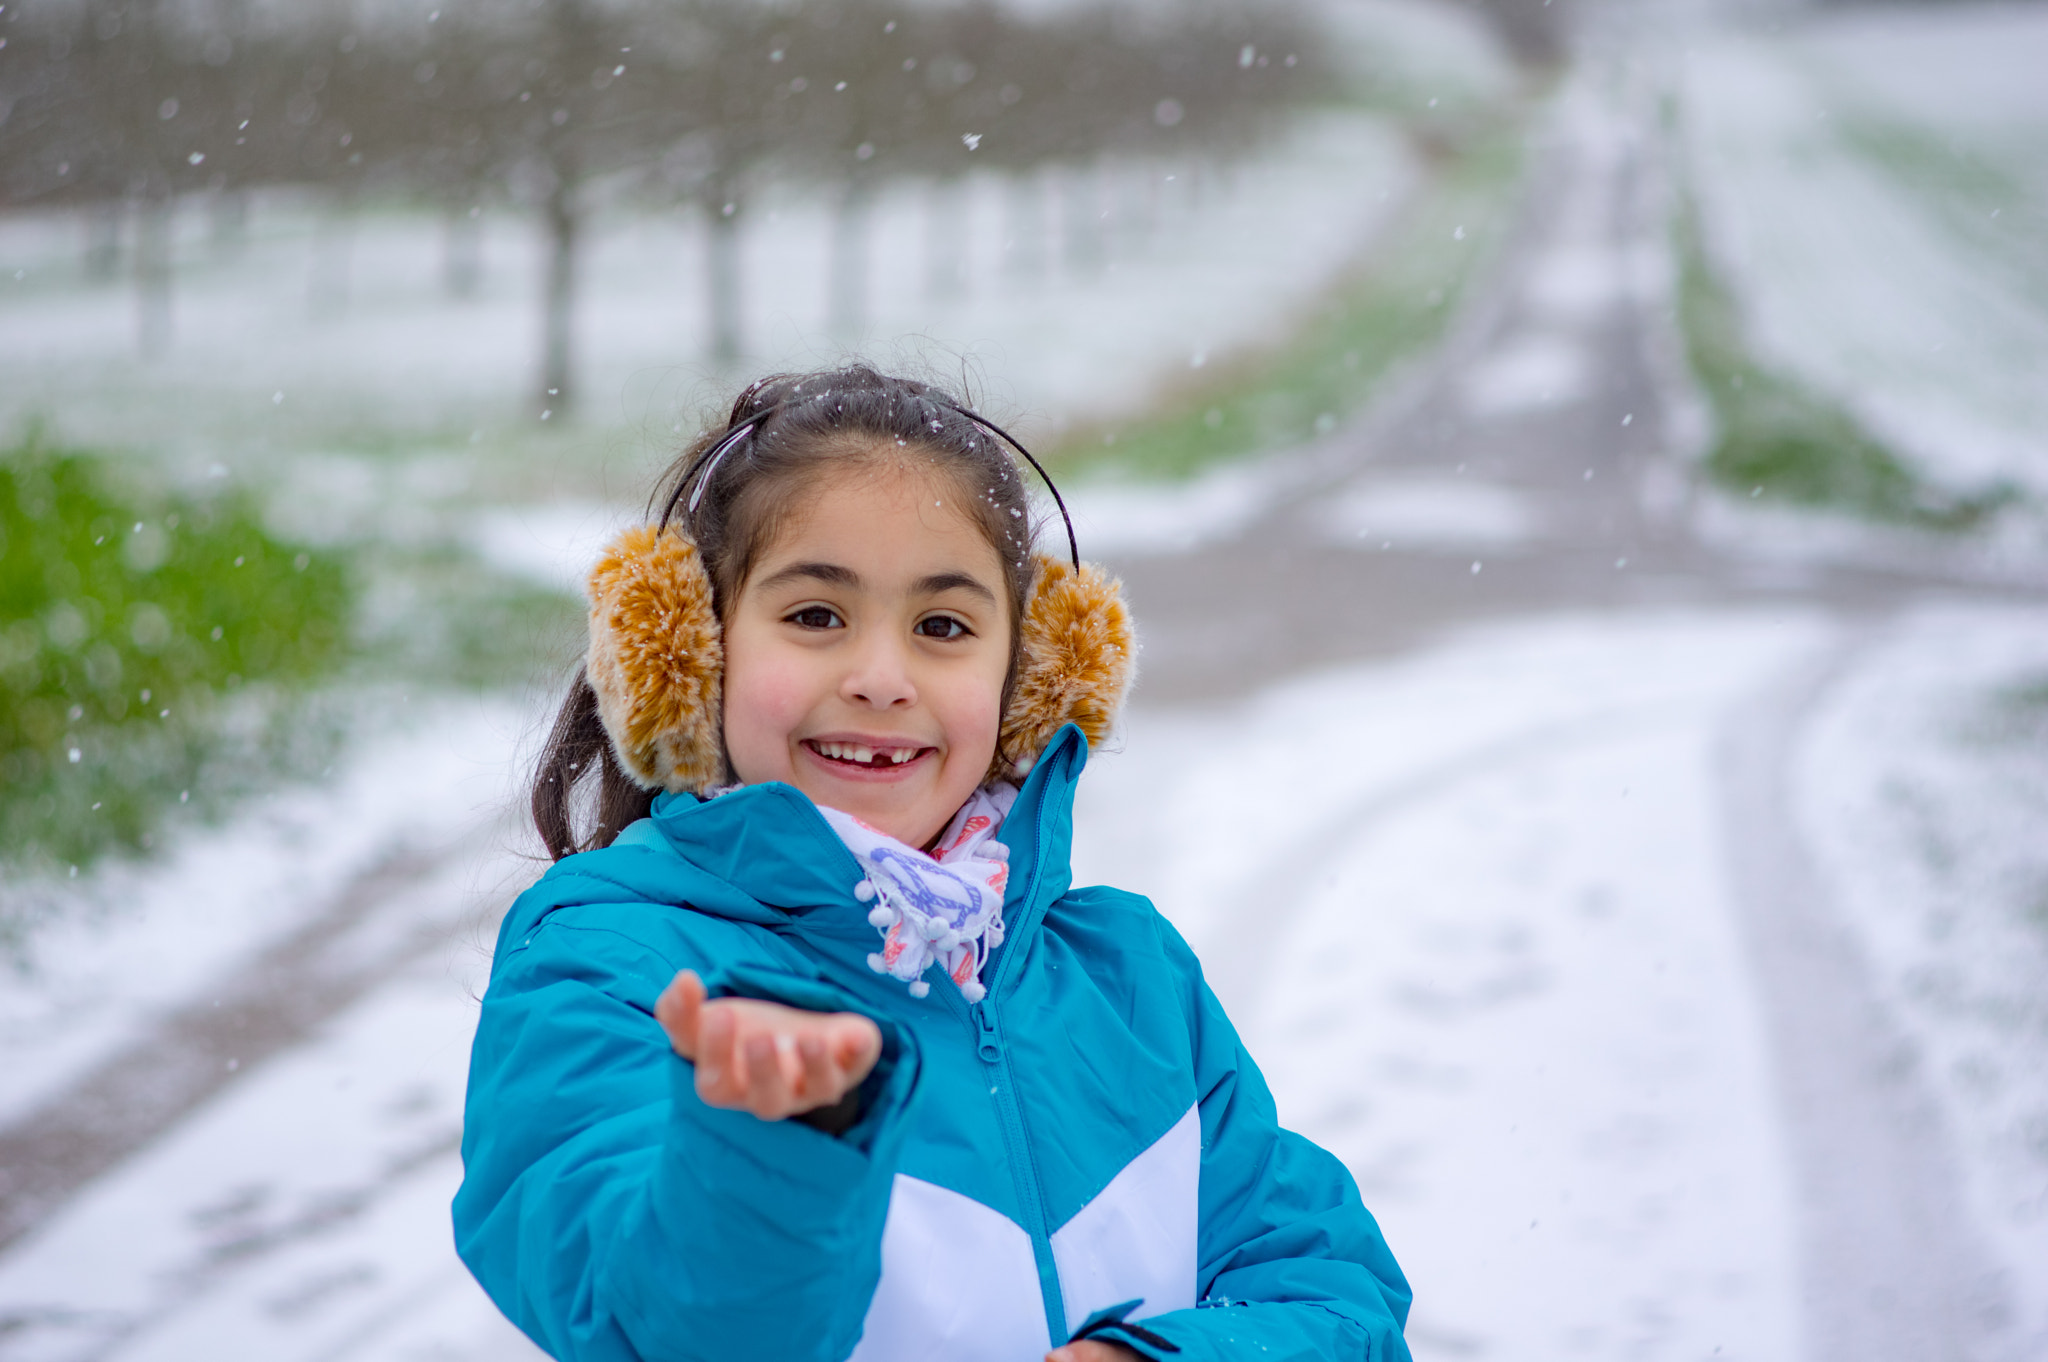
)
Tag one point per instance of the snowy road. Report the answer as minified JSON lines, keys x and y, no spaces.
{"x":1725,"y":1108}
{"x":1566,"y":872}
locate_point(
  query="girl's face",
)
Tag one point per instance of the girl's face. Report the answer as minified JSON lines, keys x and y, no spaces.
{"x":866,"y":654}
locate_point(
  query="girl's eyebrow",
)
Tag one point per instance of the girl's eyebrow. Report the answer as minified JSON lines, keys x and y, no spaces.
{"x":834,"y":575}
{"x":940,"y":582}
{"x":830,"y":573}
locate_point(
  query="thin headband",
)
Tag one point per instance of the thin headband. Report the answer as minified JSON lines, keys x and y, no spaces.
{"x":753,"y":424}
{"x":1073,"y":545}
{"x":724,"y":447}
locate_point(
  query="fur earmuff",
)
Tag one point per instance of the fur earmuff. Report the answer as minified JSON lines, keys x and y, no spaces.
{"x":657,"y":660}
{"x":1080,"y":657}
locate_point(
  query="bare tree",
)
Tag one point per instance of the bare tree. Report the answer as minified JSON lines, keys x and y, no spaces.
{"x":129,"y":105}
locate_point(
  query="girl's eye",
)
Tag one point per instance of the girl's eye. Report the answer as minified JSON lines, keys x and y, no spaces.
{"x":816,"y":617}
{"x":941,"y":626}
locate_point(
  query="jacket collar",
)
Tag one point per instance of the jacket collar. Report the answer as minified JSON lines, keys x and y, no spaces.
{"x":767,"y":846}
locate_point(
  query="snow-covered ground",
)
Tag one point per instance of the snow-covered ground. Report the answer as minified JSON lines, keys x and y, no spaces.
{"x":1873,"y":186}
{"x":1467,"y":906}
{"x":1472,"y":906}
{"x":133,"y":939}
{"x":1924,"y":789}
{"x":1468,"y":910}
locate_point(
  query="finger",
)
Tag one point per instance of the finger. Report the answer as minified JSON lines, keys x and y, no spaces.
{"x":719,"y":1073}
{"x":680,"y":1010}
{"x":790,"y":1059}
{"x":822,"y":1083}
{"x":767,"y":1086}
{"x":856,"y":1045}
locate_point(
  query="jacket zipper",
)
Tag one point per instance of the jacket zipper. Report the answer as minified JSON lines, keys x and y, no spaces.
{"x":988,"y":1042}
{"x":1023,"y":1172}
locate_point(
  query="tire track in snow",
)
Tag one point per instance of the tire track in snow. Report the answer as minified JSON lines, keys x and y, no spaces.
{"x":1892,"y":1268}
{"x":1237,"y":965}
{"x":268,"y":1005}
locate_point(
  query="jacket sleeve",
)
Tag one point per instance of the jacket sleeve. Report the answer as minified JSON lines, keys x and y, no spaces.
{"x":612,"y":1215}
{"x":1291,"y":1264}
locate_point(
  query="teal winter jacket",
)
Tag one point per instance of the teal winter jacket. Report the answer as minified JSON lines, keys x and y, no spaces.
{"x":1087,"y":1151}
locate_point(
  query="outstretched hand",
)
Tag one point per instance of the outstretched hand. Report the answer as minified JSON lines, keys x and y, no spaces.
{"x":762,"y":1057}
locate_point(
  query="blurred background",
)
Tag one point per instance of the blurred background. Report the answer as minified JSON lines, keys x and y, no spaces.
{"x":1579,"y":467}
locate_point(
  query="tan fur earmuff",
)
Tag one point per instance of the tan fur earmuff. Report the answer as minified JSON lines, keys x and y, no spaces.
{"x":1080,"y":657}
{"x":657,"y":660}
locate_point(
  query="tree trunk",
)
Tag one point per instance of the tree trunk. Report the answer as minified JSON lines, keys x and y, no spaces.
{"x":558,"y":298}
{"x":722,"y":266}
{"x":847,"y":296}
{"x":462,"y":251}
{"x":153,"y":223}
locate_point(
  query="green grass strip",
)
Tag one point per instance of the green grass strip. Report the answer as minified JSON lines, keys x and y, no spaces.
{"x":1392,"y":304}
{"x":1778,"y":438}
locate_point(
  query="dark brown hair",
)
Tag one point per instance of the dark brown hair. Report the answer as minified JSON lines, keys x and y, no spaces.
{"x":732,"y":491}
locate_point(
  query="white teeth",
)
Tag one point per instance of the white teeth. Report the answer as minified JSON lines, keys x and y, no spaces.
{"x":865,"y":756}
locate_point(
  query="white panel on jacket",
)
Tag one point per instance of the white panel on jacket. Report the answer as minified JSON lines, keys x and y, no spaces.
{"x":1136,"y":1239}
{"x":959,"y":1283}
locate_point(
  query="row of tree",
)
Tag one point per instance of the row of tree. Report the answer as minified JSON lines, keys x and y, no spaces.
{"x":551,"y":105}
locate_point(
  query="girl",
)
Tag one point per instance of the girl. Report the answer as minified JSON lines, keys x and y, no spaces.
{"x":807,"y":1047}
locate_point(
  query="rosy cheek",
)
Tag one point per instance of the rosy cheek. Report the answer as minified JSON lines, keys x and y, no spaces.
{"x":974,"y":724}
{"x":985,"y":726}
{"x":763,"y":707}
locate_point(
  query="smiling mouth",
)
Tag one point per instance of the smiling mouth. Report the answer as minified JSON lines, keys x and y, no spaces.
{"x":864,"y":757}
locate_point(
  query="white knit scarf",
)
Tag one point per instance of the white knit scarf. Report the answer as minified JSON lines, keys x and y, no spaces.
{"x":946,"y":908}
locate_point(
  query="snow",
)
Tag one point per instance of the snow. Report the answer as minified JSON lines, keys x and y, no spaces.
{"x":1442,"y":52}
{"x":1927,"y":317}
{"x":1924,"y":790}
{"x":1973,"y":68}
{"x":301,"y":1214}
{"x":1428,"y":512}
{"x":1468,"y":906}
{"x":1121,"y":519}
{"x":1487,"y":957}
{"x":1541,"y":369}
{"x":553,"y":543}
{"x":139,"y":938}
{"x":1073,"y":295}
{"x":1477,"y":930}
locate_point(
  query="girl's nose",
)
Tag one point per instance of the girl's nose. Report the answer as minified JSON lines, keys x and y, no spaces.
{"x":880,"y":676}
